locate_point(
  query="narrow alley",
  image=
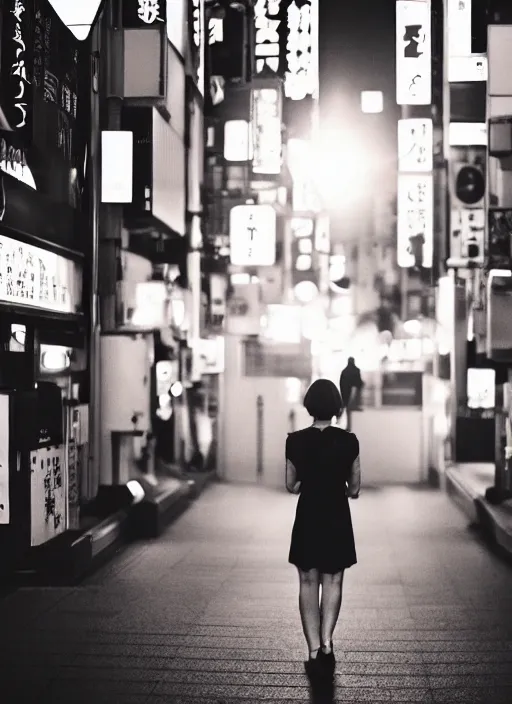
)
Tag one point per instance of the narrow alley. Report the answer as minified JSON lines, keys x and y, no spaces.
{"x":208,"y":613}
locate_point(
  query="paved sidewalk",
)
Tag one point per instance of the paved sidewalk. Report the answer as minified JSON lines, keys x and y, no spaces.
{"x":207,"y":614}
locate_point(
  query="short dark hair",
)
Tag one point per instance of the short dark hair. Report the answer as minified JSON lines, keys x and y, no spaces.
{"x":323,"y":400}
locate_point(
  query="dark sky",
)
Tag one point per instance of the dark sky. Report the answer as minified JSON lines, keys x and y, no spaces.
{"x":357,"y":48}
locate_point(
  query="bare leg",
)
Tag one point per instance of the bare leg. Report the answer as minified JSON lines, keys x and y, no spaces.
{"x":332,"y":585}
{"x":309,"y":607}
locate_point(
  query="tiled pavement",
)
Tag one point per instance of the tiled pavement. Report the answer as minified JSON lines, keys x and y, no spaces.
{"x":207,"y":614}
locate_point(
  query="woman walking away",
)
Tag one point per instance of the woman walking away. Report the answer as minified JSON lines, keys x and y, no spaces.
{"x":322,"y":465}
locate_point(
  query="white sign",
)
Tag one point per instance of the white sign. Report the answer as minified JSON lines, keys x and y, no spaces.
{"x":266,"y":131}
{"x":215,"y":30}
{"x":465,"y":69}
{"x":4,"y":460}
{"x":415,"y":145}
{"x":467,"y":234}
{"x":116,"y":167}
{"x":413,"y":53}
{"x":34,"y":277}
{"x":459,"y":28}
{"x":267,"y":34}
{"x":301,"y":77}
{"x":467,"y":134}
{"x":252,"y":234}
{"x":415,"y":219}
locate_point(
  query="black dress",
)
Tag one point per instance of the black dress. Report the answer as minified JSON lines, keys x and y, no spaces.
{"x":322,"y":535}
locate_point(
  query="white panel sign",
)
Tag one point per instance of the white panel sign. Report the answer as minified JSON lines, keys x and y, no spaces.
{"x":467,"y":134}
{"x":415,"y":145}
{"x":34,"y":277}
{"x":252,"y":233}
{"x":301,"y":78}
{"x":116,"y":167}
{"x":459,"y":27}
{"x":415,"y":218}
{"x":466,"y":69}
{"x":4,"y":460}
{"x":413,"y":53}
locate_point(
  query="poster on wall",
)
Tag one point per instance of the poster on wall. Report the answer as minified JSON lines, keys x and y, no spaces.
{"x":413,"y":53}
{"x":48,"y":494}
{"x":4,"y":460}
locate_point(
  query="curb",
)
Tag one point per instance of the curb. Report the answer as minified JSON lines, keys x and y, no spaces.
{"x":490,"y":518}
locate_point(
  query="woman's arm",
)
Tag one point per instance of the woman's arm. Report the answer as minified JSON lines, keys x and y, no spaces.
{"x":354,"y":483}
{"x":292,"y":483}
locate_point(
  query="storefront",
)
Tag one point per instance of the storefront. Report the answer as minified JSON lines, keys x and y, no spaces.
{"x":44,"y":251}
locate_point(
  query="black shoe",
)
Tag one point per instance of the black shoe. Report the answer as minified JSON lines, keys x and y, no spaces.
{"x":327,"y":659}
{"x":313,"y":666}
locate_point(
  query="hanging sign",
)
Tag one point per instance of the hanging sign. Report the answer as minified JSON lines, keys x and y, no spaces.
{"x":301,"y":77}
{"x":415,"y":220}
{"x":196,"y":23}
{"x":141,"y":14}
{"x":463,"y":65}
{"x":413,"y":53}
{"x":35,"y":277}
{"x":266,"y":131}
{"x":252,"y":233}
{"x":287,"y":44}
{"x":415,"y":145}
{"x":467,"y":236}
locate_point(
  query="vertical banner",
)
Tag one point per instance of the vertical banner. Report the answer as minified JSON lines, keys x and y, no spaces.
{"x":4,"y":460}
{"x":415,"y":220}
{"x":413,"y":53}
{"x":17,"y":67}
{"x":415,"y":145}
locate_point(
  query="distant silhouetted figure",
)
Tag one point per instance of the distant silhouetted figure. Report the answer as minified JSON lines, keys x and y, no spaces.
{"x":350,"y":381}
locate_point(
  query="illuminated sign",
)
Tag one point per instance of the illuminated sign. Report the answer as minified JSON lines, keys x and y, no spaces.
{"x":116,"y":166}
{"x":34,"y":277}
{"x":252,"y":234}
{"x":415,"y":145}
{"x":467,"y":227}
{"x":415,"y":220}
{"x":287,"y":44}
{"x":413,"y":53}
{"x":175,"y":24}
{"x":78,"y":16}
{"x":266,"y":131}
{"x":372,"y":101}
{"x":238,"y":144}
